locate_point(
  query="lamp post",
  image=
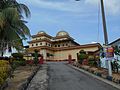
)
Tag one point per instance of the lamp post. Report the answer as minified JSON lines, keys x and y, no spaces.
{"x":105,"y":34}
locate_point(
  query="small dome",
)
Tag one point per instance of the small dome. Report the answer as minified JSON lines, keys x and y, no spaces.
{"x":41,"y":32}
{"x":62,"y":33}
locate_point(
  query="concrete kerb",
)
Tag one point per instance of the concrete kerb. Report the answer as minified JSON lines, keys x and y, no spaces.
{"x":97,"y":77}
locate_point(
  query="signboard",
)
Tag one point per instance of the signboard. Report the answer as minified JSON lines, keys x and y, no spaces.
{"x":109,"y":53}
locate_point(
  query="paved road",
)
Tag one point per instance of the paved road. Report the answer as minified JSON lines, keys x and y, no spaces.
{"x":63,"y":77}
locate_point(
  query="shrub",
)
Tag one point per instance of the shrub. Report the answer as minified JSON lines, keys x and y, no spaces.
{"x":17,"y":55}
{"x":81,"y":56}
{"x":17,"y":63}
{"x":4,"y":58}
{"x":4,"y":70}
{"x":92,"y":61}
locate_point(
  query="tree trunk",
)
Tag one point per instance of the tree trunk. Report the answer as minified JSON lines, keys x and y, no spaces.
{"x":2,"y":54}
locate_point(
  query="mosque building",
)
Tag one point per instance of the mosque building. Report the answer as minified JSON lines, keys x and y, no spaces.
{"x":59,"y":47}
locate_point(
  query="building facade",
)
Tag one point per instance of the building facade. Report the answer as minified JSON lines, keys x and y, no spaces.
{"x":58,"y":47}
{"x":116,"y":43}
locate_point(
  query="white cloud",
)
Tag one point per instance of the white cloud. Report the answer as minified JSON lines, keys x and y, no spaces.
{"x":112,"y":6}
{"x":62,"y":6}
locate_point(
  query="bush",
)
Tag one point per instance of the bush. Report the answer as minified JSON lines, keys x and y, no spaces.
{"x":16,"y":63}
{"x":22,"y":63}
{"x":19,"y":63}
{"x":92,"y":61}
{"x":4,"y":70}
{"x":4,"y":58}
{"x":17,"y":55}
{"x":81,"y":56}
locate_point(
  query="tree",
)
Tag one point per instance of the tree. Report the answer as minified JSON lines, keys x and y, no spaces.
{"x":116,"y":50}
{"x":12,"y":25}
{"x":81,"y":56}
{"x":36,"y":55}
{"x":17,"y":55}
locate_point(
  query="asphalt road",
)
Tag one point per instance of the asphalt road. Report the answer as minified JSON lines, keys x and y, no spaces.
{"x":63,"y":77}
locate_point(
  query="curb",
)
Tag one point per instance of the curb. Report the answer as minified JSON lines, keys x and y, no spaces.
{"x":106,"y":79}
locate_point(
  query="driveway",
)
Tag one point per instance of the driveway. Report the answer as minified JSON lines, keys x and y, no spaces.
{"x":63,"y":77}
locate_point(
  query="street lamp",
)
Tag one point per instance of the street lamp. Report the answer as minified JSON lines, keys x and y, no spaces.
{"x":105,"y":34}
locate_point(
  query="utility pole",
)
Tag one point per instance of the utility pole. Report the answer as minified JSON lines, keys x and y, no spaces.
{"x":104,"y":23}
{"x":105,"y":34}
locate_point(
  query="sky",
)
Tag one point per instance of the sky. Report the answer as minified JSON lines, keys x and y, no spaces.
{"x":81,"y":19}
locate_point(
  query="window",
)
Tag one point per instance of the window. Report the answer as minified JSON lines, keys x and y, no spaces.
{"x":55,"y":45}
{"x":58,"y":45}
{"x":40,"y":43}
{"x":49,"y":44}
{"x":66,"y":44}
{"x":32,"y":45}
{"x":36,"y":44}
{"x":46,"y":43}
{"x":63,"y":44}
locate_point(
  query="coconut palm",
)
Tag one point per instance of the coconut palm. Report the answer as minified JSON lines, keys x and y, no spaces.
{"x":12,"y":25}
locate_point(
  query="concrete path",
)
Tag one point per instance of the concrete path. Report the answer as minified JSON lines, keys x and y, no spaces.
{"x":63,"y":77}
{"x":39,"y":81}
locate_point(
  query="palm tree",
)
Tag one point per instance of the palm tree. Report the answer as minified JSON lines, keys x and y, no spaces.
{"x":12,"y":25}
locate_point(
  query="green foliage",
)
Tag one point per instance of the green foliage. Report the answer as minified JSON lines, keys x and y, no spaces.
{"x":12,"y":24}
{"x":17,"y":55}
{"x":81,"y":56}
{"x":92,"y":60}
{"x":14,"y":65}
{"x":4,"y":70}
{"x":116,"y":51}
{"x":17,"y":60}
{"x":35,"y":55}
{"x":17,"y":63}
{"x":48,"y":54}
{"x":82,"y":52}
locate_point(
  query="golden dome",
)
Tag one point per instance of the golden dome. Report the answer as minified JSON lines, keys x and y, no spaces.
{"x":41,"y":32}
{"x":62,"y":33}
